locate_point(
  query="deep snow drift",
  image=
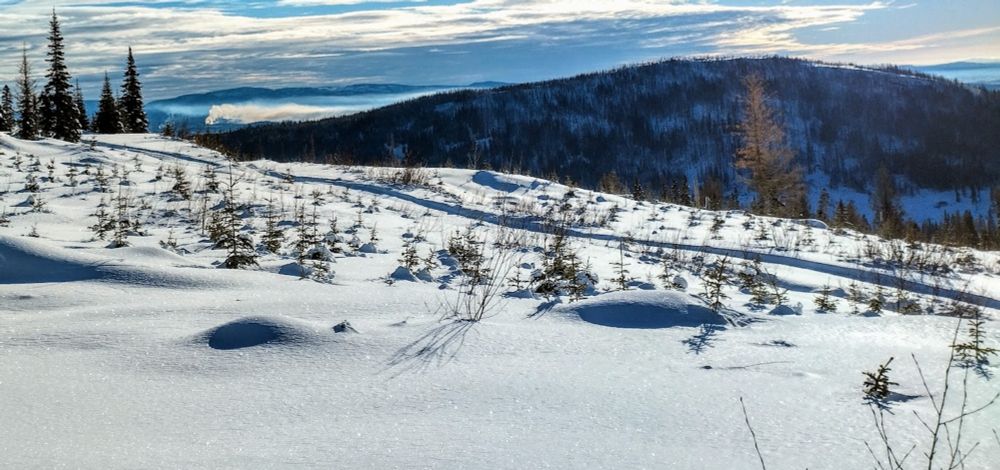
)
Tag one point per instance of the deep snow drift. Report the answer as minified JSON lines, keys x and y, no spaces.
{"x":644,"y":310}
{"x":153,"y":356}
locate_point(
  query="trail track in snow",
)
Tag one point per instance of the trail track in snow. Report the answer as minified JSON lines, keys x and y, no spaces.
{"x":536,"y":225}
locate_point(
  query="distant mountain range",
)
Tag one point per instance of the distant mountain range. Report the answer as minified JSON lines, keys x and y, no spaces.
{"x":666,"y":122}
{"x":237,"y":107}
{"x":986,"y":74}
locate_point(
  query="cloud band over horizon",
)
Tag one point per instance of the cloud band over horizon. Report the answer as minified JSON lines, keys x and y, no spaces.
{"x":186,"y":46}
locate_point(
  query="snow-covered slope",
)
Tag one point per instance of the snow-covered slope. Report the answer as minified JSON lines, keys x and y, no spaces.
{"x":152,"y":356}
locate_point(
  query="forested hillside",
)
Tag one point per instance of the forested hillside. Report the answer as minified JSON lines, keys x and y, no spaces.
{"x":659,"y":122}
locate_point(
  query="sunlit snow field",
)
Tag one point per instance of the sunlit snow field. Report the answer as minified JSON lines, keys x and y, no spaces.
{"x":148,"y":357}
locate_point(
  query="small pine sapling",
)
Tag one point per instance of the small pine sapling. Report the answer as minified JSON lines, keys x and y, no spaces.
{"x":273,"y":236}
{"x":877,"y":301}
{"x":430,"y":261}
{"x":51,"y":167}
{"x":856,"y":297}
{"x":974,"y":350}
{"x":876,"y":386}
{"x":715,"y":279}
{"x":31,"y":183}
{"x":121,"y":224}
{"x":101,"y":182}
{"x":717,"y":223}
{"x":104,"y":223}
{"x":409,"y":258}
{"x":71,"y":175}
{"x":622,"y":279}
{"x":239,"y":245}
{"x":211,"y":180}
{"x":181,"y":185}
{"x":824,"y":301}
{"x":779,"y":295}
{"x":333,"y":237}
{"x":171,"y":242}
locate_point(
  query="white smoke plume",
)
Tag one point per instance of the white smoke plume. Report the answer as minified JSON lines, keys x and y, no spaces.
{"x":251,"y":113}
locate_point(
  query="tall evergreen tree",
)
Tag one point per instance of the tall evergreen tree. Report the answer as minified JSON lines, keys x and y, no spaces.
{"x":27,"y":120}
{"x":81,"y":107}
{"x":43,"y":113}
{"x":60,"y":112}
{"x":131,"y":107}
{"x":107,"y":120}
{"x":885,"y":205}
{"x":6,"y":110}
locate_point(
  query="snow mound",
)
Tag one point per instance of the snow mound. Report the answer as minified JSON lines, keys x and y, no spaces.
{"x":504,"y":183}
{"x":402,"y":274}
{"x":786,"y":310}
{"x":153,"y":256}
{"x":26,"y":260}
{"x":257,"y":331}
{"x":643,"y":309}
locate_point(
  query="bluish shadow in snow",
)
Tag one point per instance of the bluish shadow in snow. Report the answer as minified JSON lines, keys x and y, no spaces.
{"x":705,"y":338}
{"x":648,"y":316}
{"x":25,"y":261}
{"x":644,"y":310}
{"x":888,"y":402}
{"x":499,"y":182}
{"x":438,"y":346}
{"x":256,"y":331}
{"x":243,"y":335}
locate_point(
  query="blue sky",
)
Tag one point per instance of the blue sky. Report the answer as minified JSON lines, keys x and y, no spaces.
{"x":187,"y":46}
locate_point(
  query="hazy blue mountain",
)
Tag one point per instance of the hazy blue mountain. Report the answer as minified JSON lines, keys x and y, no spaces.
{"x":986,"y":74}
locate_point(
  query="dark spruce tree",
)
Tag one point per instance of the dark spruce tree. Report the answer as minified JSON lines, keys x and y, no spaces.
{"x":27,"y":120}
{"x":107,"y":120}
{"x":58,"y":108}
{"x":131,"y":107}
{"x":6,"y":110}
{"x":43,"y":110}
{"x":81,"y":107}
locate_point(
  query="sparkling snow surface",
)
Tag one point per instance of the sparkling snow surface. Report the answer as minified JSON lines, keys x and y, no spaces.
{"x":144,"y":357}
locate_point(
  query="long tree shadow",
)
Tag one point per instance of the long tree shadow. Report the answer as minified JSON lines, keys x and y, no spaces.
{"x":705,"y":338}
{"x":888,"y":402}
{"x":980,"y":368}
{"x":438,"y":347}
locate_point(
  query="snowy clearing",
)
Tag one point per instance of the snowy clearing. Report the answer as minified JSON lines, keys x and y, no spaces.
{"x":152,"y":355}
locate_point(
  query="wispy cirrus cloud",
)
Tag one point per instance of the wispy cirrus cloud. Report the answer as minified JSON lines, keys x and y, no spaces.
{"x":194,"y":45}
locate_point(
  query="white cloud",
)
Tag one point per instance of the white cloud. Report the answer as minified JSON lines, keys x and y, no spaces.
{"x":251,"y":113}
{"x":198,"y":47}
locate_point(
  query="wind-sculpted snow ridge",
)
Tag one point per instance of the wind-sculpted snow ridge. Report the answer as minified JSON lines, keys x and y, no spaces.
{"x":364,"y":346}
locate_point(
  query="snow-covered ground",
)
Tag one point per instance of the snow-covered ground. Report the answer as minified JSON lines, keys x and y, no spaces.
{"x":152,"y":356}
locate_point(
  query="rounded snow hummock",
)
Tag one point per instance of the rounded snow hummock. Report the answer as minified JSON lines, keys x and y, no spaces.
{"x":644,"y":309}
{"x":256,"y":331}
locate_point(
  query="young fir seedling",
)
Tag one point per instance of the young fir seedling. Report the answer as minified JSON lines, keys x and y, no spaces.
{"x":824,"y":301}
{"x":876,"y":386}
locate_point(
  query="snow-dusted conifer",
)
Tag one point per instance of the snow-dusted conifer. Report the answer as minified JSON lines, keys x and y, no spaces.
{"x":108,"y":120}
{"x":60,"y":112}
{"x":133,"y":113}
{"x":27,"y":120}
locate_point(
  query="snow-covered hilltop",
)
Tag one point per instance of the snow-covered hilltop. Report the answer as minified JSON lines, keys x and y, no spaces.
{"x":673,"y":124}
{"x":611,"y":334}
